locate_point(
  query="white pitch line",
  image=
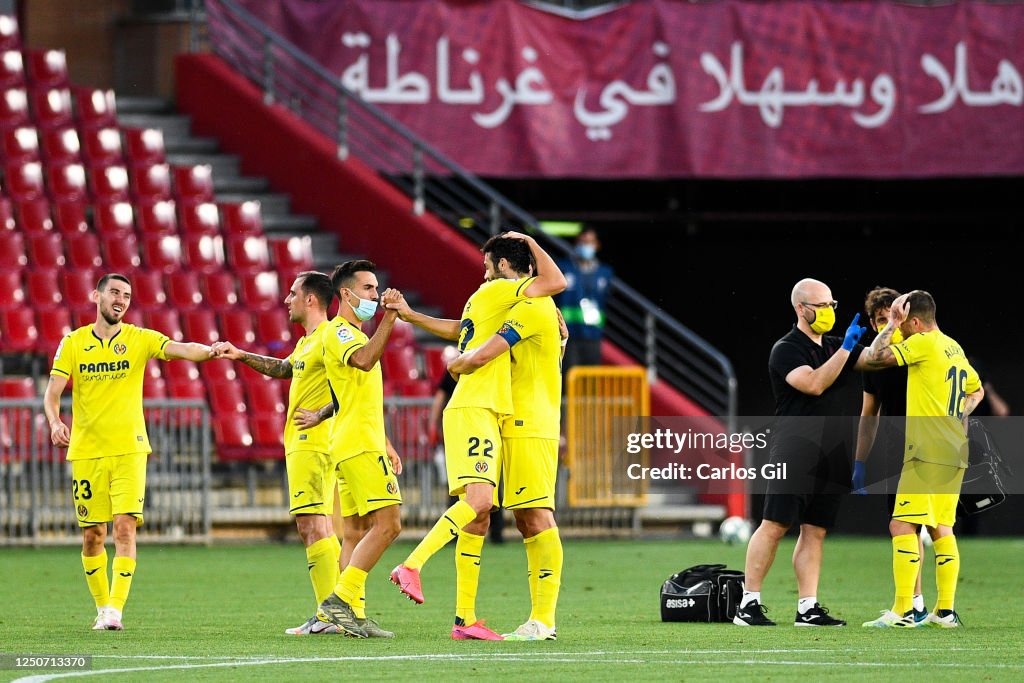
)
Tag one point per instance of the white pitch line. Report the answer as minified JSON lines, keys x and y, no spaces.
{"x":596,"y":657}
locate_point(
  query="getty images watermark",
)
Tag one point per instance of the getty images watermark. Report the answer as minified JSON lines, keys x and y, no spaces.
{"x":667,"y":440}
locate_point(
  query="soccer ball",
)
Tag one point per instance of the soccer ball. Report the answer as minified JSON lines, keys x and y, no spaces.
{"x":734,"y":530}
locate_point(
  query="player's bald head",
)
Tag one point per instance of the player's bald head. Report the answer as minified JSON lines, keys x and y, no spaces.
{"x":811,"y":291}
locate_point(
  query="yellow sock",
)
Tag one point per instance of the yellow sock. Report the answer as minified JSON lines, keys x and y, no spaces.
{"x":906,"y":563}
{"x":350,"y":584}
{"x":549,"y":575}
{"x":446,"y":528}
{"x":947,"y":570}
{"x":359,"y":606}
{"x":467,"y":576}
{"x":532,"y":566}
{"x":322,"y":561}
{"x":96,"y":577}
{"x":123,"y":571}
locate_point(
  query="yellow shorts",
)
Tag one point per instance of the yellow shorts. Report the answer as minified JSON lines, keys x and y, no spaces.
{"x":928,"y":493}
{"x":529,"y":467}
{"x":104,"y":487}
{"x":472,"y":447}
{"x":371,"y":482}
{"x":310,"y":483}
{"x":346,"y":503}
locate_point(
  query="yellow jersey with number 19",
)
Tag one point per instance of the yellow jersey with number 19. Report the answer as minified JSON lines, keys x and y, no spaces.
{"x":308,"y":390}
{"x":535,"y":345}
{"x":106,"y":397}
{"x":491,"y":385}
{"x":938,"y":379}
{"x":358,"y":425}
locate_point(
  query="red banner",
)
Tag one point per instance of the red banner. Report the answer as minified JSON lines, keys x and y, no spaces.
{"x":676,"y":89}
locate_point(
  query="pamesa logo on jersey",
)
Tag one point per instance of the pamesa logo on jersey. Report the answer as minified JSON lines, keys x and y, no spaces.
{"x":115,"y":366}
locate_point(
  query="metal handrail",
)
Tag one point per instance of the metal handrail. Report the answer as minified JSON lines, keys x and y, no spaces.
{"x":435,"y":183}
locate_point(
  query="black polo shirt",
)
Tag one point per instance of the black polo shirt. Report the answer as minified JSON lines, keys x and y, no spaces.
{"x":795,"y":350}
{"x":889,"y":386}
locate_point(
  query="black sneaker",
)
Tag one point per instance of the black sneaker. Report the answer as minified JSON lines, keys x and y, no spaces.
{"x":752,"y":615}
{"x":817,"y":616}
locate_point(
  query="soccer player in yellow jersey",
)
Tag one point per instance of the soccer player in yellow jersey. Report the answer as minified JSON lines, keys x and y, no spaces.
{"x":108,"y":445}
{"x":473,"y":418}
{"x":358,"y":444}
{"x":535,"y":335}
{"x":311,"y":479}
{"x":942,"y":391}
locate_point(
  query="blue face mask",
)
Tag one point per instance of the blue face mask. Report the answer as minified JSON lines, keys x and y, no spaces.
{"x":586,"y":251}
{"x":366,"y":308}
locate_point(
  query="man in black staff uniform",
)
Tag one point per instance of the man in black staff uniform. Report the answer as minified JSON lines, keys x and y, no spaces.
{"x":804,"y":367}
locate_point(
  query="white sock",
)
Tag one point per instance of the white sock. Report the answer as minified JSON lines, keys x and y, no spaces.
{"x":806,"y":604}
{"x":749,"y":597}
{"x":919,"y":602}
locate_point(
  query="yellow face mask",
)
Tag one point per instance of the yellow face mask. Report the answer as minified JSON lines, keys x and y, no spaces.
{"x":824,"y":319}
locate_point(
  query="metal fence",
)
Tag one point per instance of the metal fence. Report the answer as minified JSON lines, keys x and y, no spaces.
{"x":35,"y":479}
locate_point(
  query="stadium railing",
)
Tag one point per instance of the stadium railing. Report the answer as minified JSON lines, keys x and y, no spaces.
{"x":292,"y":79}
{"x":36,"y":506}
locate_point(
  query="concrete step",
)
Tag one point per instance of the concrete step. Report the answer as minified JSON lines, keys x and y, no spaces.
{"x":289,"y":224}
{"x":245,"y":185}
{"x":139,"y":104}
{"x":223,"y":165}
{"x":173,"y":125}
{"x":271,"y":203}
{"x":191,"y":145}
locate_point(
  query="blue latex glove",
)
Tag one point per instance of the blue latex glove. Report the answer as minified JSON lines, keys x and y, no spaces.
{"x":853,"y":334}
{"x":858,"y":478}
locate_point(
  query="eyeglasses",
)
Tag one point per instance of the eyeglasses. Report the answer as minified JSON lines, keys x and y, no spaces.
{"x":832,"y":304}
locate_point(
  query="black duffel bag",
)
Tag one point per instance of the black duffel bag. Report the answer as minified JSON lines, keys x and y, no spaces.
{"x":982,"y":488}
{"x":706,"y":592}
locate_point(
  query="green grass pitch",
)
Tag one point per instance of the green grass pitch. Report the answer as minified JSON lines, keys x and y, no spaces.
{"x":211,"y":614}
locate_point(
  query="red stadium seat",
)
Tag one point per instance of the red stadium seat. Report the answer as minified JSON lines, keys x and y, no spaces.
{"x":18,"y":332}
{"x":7,"y":221}
{"x":236,"y":327}
{"x":133,"y":316}
{"x":266,"y":397}
{"x":144,"y":146}
{"x":47,"y":68}
{"x":226,"y":398}
{"x":17,"y":387}
{"x":109,"y":184}
{"x":402,"y":334}
{"x":242,"y":218}
{"x":218,"y":371}
{"x":122,"y":252}
{"x":148,"y":289}
{"x":260,"y":291}
{"x":180,"y":371}
{"x":199,"y":219}
{"x":183,"y":290}
{"x":78,"y":286}
{"x":10,"y":36}
{"x":24,"y":181}
{"x":84,"y":315}
{"x":247,"y":254}
{"x":116,"y":218}
{"x":46,"y":250}
{"x":218,"y":289}
{"x":43,"y":289}
{"x":203,"y":253}
{"x":398,"y":364}
{"x":186,"y":389}
{"x":158,"y":218}
{"x":102,"y":147}
{"x":162,"y":252}
{"x":151,"y":183}
{"x":193,"y":184}
{"x":232,"y":436}
{"x":83,"y":251}
{"x":53,"y":324}
{"x":268,"y":431}
{"x":20,"y":145}
{"x":61,"y":146}
{"x":166,"y":321}
{"x":12,"y":70}
{"x":12,"y":293}
{"x":200,"y":325}
{"x":292,"y":255}
{"x":14,"y":108}
{"x":274,"y":331}
{"x":52,"y":108}
{"x":34,"y":215}
{"x":67,"y":182}
{"x":154,"y":388}
{"x":70,"y":217}
{"x":95,"y":108}
{"x":12,"y":250}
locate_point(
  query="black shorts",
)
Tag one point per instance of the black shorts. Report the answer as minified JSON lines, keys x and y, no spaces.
{"x":818,"y":509}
